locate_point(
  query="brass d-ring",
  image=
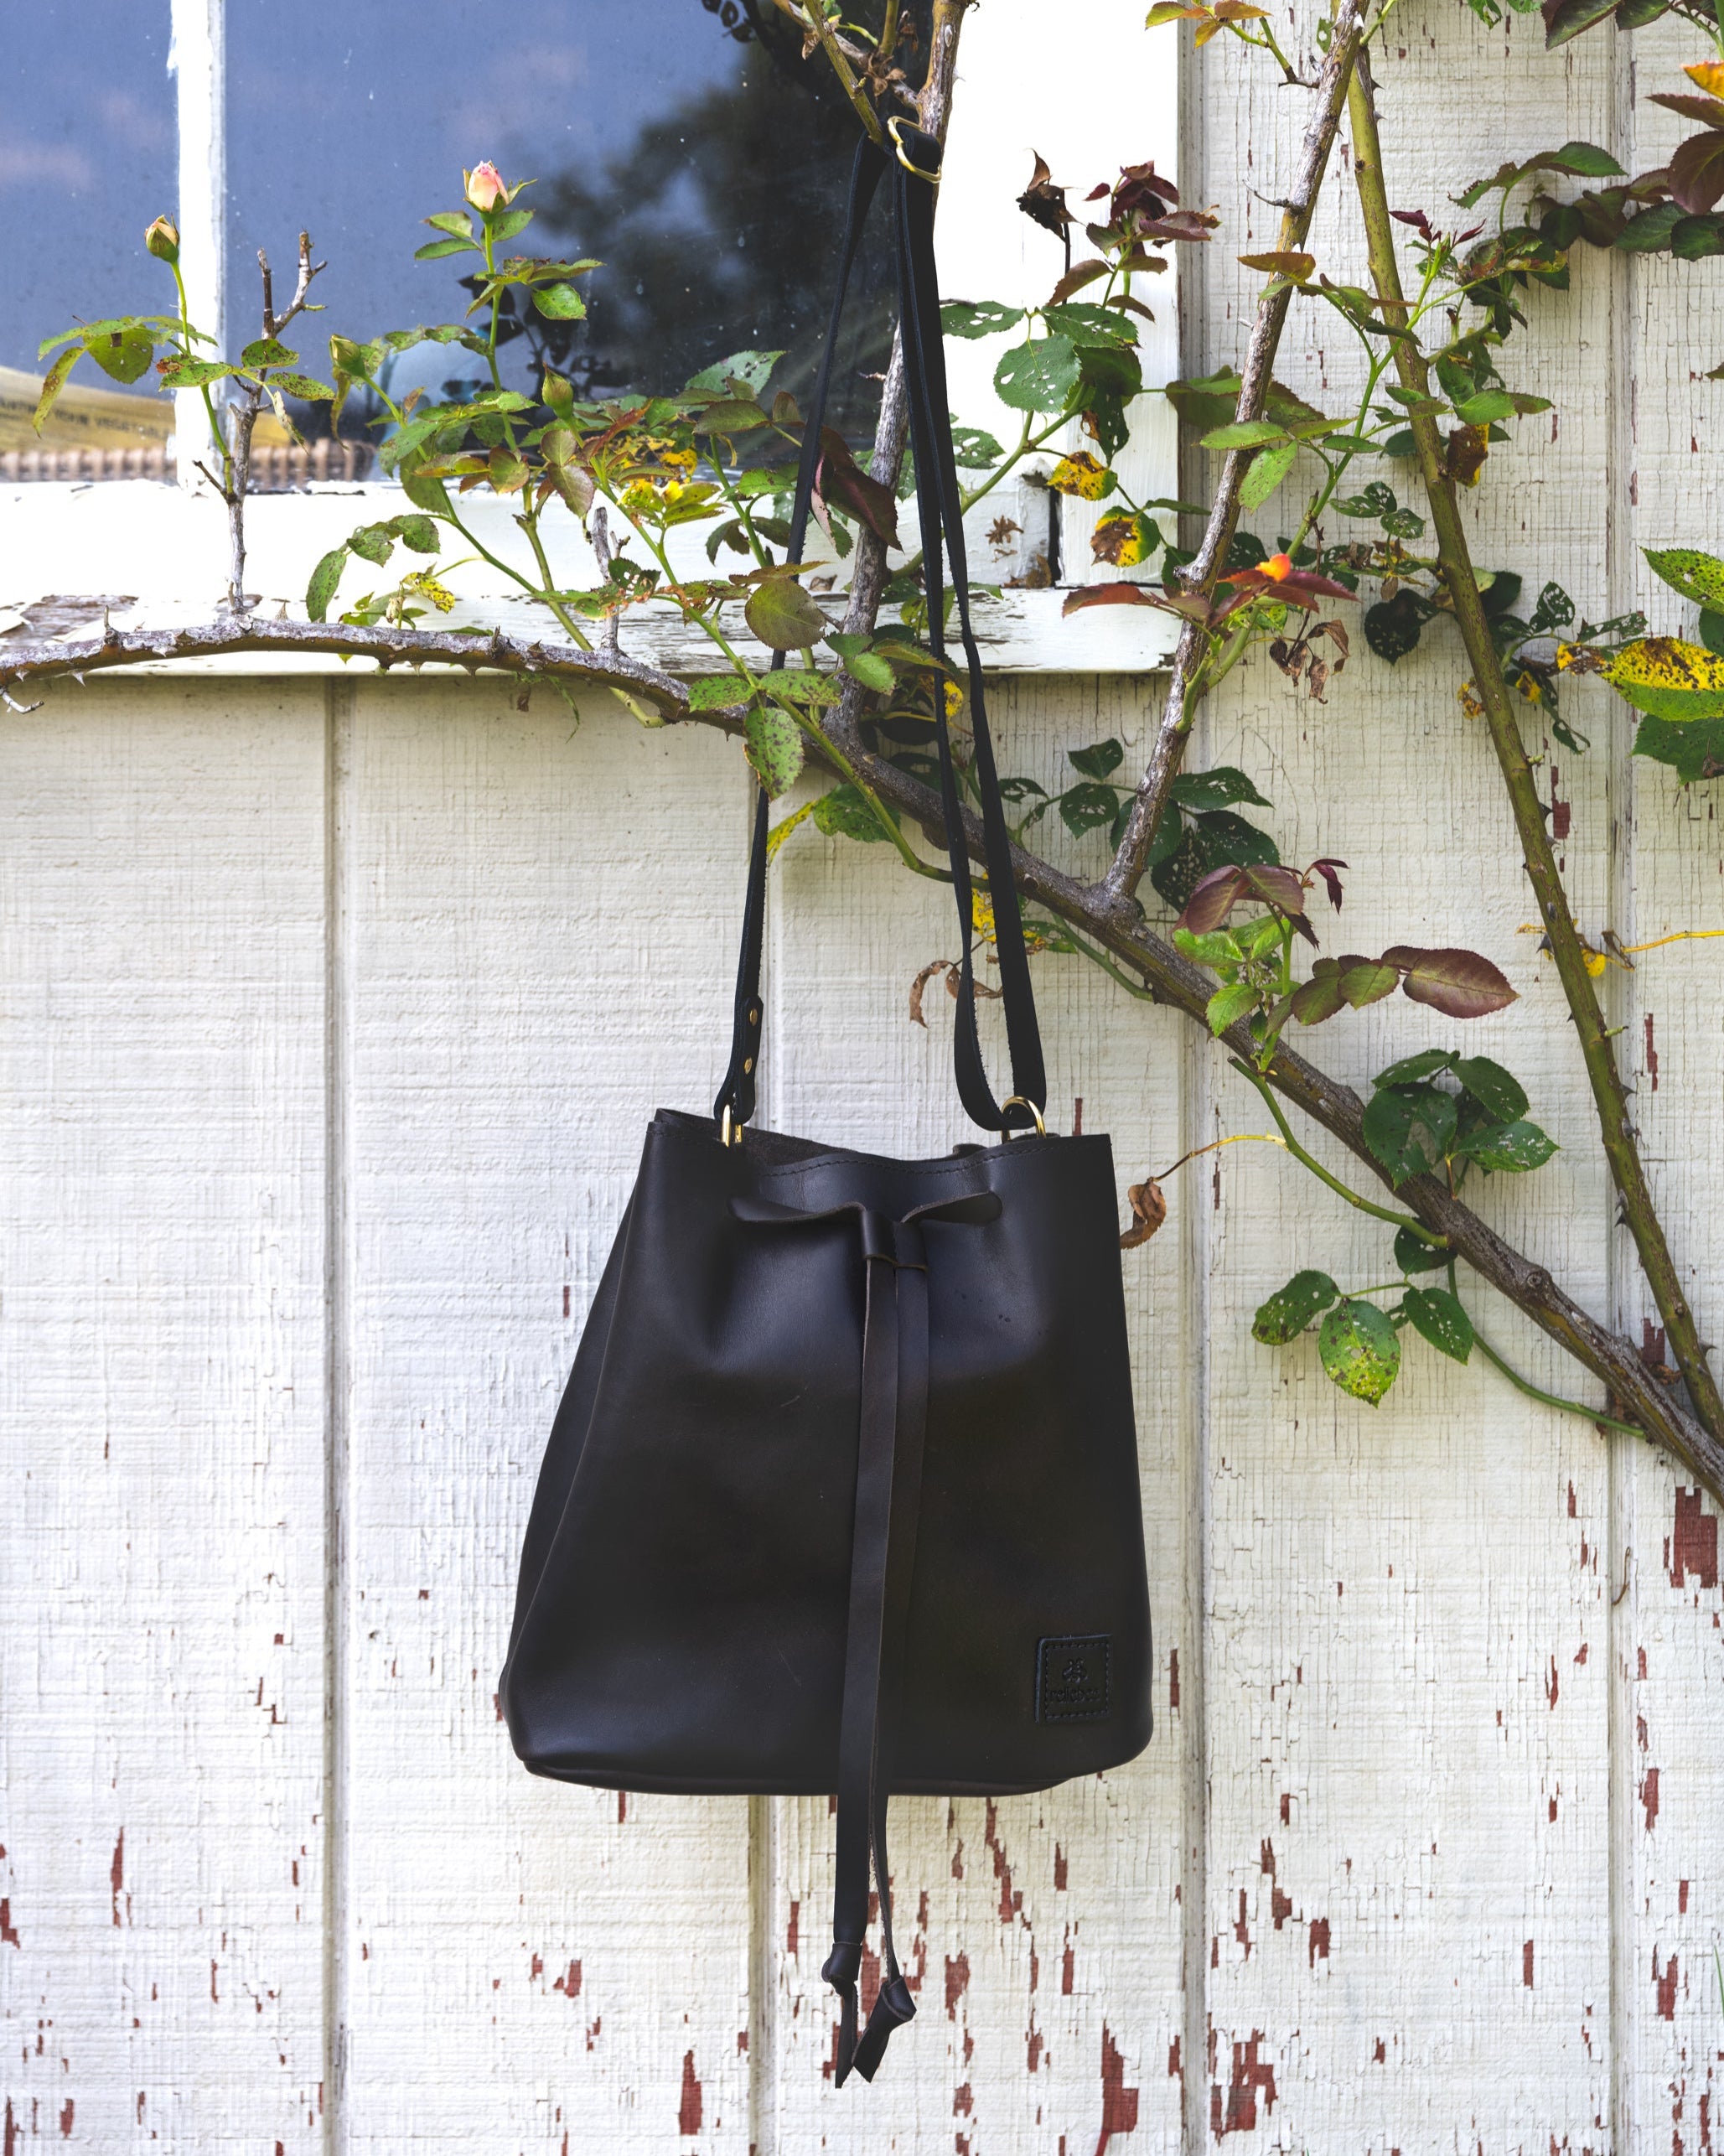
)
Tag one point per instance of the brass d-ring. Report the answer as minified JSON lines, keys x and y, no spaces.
{"x":932,"y":179}
{"x":1018,"y":1101}
{"x":730,"y":1131}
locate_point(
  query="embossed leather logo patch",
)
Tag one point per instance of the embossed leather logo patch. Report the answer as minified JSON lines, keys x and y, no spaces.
{"x":1072,"y":1679}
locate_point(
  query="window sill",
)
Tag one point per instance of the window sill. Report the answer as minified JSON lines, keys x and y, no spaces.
{"x":165,"y":549}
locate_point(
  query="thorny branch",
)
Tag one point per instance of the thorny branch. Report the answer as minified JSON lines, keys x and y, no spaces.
{"x":1167,"y":977}
{"x":1186,"y":686}
{"x":1539,"y":854}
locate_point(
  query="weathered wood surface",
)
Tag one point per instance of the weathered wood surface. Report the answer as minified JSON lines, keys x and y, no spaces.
{"x":333,"y":1013}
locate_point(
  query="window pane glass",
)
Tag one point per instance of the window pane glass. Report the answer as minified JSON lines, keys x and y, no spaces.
{"x":684,"y":142}
{"x":87,"y":160}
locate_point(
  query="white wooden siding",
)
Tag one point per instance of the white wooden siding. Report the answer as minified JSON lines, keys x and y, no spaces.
{"x":333,"y":1013}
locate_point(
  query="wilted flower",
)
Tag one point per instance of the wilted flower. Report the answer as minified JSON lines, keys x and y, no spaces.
{"x":485,"y":188}
{"x":163,"y":240}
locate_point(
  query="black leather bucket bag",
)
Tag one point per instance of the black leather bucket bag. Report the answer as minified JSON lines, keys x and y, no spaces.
{"x":842,"y":1494}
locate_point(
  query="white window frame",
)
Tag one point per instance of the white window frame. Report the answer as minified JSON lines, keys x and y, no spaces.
{"x":164,"y":542}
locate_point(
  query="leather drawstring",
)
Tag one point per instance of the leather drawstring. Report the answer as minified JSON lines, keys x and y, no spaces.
{"x":891,"y":1433}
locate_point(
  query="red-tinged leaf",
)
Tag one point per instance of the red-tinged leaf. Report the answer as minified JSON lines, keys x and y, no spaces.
{"x":1283,"y":889}
{"x":1077,"y":276}
{"x":1697,"y":173}
{"x":1459,"y":983}
{"x":1213,"y":897}
{"x":1087,"y":595}
{"x":1708,"y":111}
{"x":1320,"y":997}
{"x":839,"y":482}
{"x":1326,"y":869}
{"x":1416,"y":218}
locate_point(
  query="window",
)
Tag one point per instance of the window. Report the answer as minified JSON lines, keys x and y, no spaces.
{"x":685,"y":144}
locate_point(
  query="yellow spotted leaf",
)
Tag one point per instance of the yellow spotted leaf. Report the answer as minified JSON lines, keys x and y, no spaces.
{"x":1667,"y":678}
{"x":1124,"y":538}
{"x":782,"y":829}
{"x":1707,"y":74}
{"x":1082,"y":474}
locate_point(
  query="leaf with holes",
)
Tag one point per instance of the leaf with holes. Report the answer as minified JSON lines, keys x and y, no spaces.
{"x":1409,"y":1129}
{"x":1212,"y":840}
{"x":1459,"y":983}
{"x":1413,"y":1254}
{"x":1097,"y":761}
{"x":1513,"y":1148}
{"x":1411,"y":1068}
{"x":1039,"y":377}
{"x":1497,"y":1091}
{"x":1213,"y":790}
{"x":775,"y":748}
{"x":1438,"y":1317}
{"x":977,"y":318}
{"x":1358,"y":1348}
{"x":1290,"y":1309}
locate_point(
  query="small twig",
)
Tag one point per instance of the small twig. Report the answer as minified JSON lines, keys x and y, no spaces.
{"x":1185,"y":687}
{"x":1379,"y":1212}
{"x":1239,"y":1138}
{"x":1627,"y":1560}
{"x":598,"y":532}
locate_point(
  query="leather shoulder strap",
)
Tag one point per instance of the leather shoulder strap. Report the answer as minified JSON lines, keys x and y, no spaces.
{"x":914,"y":176}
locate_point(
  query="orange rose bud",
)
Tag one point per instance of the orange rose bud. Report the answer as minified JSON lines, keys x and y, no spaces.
{"x":1277,"y":566}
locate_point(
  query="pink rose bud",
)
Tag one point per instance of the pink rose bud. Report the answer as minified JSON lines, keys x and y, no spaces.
{"x":163,"y":240}
{"x":484,"y":187}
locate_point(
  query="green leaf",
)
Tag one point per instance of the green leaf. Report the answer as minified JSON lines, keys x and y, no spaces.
{"x":325,"y":578}
{"x":980,"y":317}
{"x":1098,"y":761}
{"x":508,"y":224}
{"x":730,"y":415}
{"x":434,"y":249}
{"x":267,"y":352}
{"x":750,"y":369}
{"x":1649,"y":233}
{"x":427,"y":493}
{"x":1244,"y":434}
{"x":802,"y":685}
{"x":559,"y":303}
{"x":183,"y":373}
{"x":1214,"y":790}
{"x":1088,"y":807}
{"x":783,"y":615}
{"x":1290,"y":1309}
{"x":1693,"y":751}
{"x":1497,"y":1091}
{"x":372,"y":542}
{"x":1693,"y":239}
{"x":1359,"y":1349}
{"x":1514,"y":1148}
{"x":1088,"y":326}
{"x":1228,"y":1005}
{"x":1413,"y":1256}
{"x":775,"y":748}
{"x":1438,"y":1317}
{"x":716,"y":692}
{"x":306,"y":387}
{"x":125,"y":357}
{"x":845,"y":812}
{"x":1711,"y":631}
{"x":1488,"y":404}
{"x":419,"y":533}
{"x":53,"y":381}
{"x":1687,"y":570}
{"x":1269,"y":467}
{"x":1409,"y":1129}
{"x":870,"y":669}
{"x":1412,"y":1069}
{"x":1040,"y":377}
{"x":456,"y":221}
{"x":1216,"y":946}
{"x":974,"y":449}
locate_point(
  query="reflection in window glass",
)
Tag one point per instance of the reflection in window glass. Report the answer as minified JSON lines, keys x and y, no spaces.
{"x":685,"y":144}
{"x":87,"y":160}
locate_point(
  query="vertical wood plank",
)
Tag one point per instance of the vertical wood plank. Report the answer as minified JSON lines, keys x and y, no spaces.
{"x":1669,"y":1630}
{"x":1406,"y":1664}
{"x":538,"y":919}
{"x":161,"y":1360}
{"x":1044,"y":1931}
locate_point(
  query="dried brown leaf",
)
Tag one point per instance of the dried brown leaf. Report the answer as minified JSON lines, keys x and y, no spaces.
{"x":1149,"y":1208}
